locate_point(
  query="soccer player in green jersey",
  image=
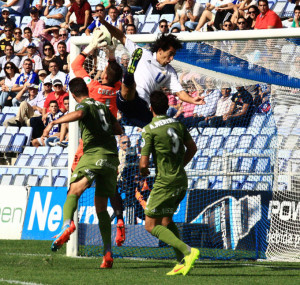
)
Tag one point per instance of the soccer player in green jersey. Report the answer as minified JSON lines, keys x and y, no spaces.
{"x":99,"y":162}
{"x":166,"y":139}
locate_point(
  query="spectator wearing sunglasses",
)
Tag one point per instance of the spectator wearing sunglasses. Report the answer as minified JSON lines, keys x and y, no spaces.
{"x":8,"y":57}
{"x":100,"y":12}
{"x":253,"y":12}
{"x":163,"y":26}
{"x":56,"y":13}
{"x":125,"y":18}
{"x":8,"y":40}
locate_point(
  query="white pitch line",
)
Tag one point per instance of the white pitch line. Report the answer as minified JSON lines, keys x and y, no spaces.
{"x":19,"y":282}
{"x":26,"y":254}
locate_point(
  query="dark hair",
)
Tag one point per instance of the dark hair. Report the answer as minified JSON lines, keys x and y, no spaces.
{"x":15,"y":69}
{"x":53,"y":101}
{"x":255,"y":8}
{"x":175,"y":30}
{"x":101,"y":6}
{"x":131,"y":25}
{"x":9,"y":26}
{"x":126,"y":6}
{"x":53,"y":61}
{"x":9,"y":45}
{"x":297,"y":8}
{"x":78,"y":87}
{"x":66,"y":98}
{"x":114,"y":8}
{"x":265,"y":1}
{"x":50,"y":45}
{"x":114,"y":72}
{"x":62,"y":43}
{"x":27,"y":29}
{"x":165,"y":42}
{"x":163,"y":21}
{"x":159,"y":102}
{"x":27,"y":59}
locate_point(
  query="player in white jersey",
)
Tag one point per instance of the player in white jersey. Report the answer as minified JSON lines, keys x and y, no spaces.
{"x":151,"y":71}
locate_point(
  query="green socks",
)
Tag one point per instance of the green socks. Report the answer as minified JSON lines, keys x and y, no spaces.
{"x":70,"y":207}
{"x":105,"y":230}
{"x":173,"y":228}
{"x":165,"y":235}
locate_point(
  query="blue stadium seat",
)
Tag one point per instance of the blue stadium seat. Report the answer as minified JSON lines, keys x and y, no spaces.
{"x":2,"y":116}
{"x":230,"y":142}
{"x":3,"y":170}
{"x":40,"y":172}
{"x":64,"y":172}
{"x":279,"y":7}
{"x":36,"y":160}
{"x":245,"y":141}
{"x":5,"y":109}
{"x":168,"y":17}
{"x":56,"y":150}
{"x":48,"y":157}
{"x":263,"y":186}
{"x":42,"y":150}
{"x":7,"y":116}
{"x":268,"y":131}
{"x":5,"y":142}
{"x":217,"y":185}
{"x":6,"y":179}
{"x":283,"y":157}
{"x":239,"y":179}
{"x":32,"y":180}
{"x":60,"y":181}
{"x":19,"y":180}
{"x":209,"y":131}
{"x":248,"y":185}
{"x":12,"y":130}
{"x":141,"y":18}
{"x":246,"y":164}
{"x":55,"y":172}
{"x":255,"y":151}
{"x":201,"y":163}
{"x":153,"y":18}
{"x":258,"y":121}
{"x":18,"y":143}
{"x":252,"y":131}
{"x":13,"y":170}
{"x":26,"y":171}
{"x":260,"y":142}
{"x":263,"y":164}
{"x":209,"y":152}
{"x":216,"y":142}
{"x":29,"y":150}
{"x":225,"y":132}
{"x":254,"y":178}
{"x":237,"y":131}
{"x":273,"y":142}
{"x":289,"y":10}
{"x":66,"y":150}
{"x":61,"y":160}
{"x":203,"y":141}
{"x":216,"y":163}
{"x":27,"y":131}
{"x":148,"y":28}
{"x":44,"y":181}
{"x":201,"y":183}
{"x":2,"y":130}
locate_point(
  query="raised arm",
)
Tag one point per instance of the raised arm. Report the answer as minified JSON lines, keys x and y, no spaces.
{"x":114,"y":31}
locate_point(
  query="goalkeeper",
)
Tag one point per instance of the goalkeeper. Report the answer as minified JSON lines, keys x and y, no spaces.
{"x":106,"y":93}
{"x":166,"y":139}
{"x":148,"y":71}
{"x":99,"y":162}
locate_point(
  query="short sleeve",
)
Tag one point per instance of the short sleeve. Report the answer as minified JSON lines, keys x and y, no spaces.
{"x":146,"y":143}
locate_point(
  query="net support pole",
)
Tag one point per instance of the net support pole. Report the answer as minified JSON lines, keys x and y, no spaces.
{"x":72,"y":245}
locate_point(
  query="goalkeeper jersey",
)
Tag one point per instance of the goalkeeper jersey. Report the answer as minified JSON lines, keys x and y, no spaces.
{"x":100,"y":92}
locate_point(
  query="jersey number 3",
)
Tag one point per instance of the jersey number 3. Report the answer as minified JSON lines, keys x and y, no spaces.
{"x":103,"y":121}
{"x":175,"y":140}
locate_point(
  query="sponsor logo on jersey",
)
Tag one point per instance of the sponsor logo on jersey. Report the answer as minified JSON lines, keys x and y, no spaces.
{"x":87,"y":80}
{"x":103,"y":162}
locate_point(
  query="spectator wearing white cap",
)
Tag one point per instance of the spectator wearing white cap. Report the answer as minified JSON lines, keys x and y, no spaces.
{"x":30,"y":107}
{"x":6,"y":20}
{"x":55,"y":73}
{"x":33,"y":55}
{"x":25,"y":94}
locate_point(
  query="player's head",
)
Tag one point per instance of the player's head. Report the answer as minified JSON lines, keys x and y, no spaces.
{"x":159,"y":102}
{"x":53,"y":107}
{"x":165,"y":47}
{"x":78,"y":88}
{"x":112,"y":73}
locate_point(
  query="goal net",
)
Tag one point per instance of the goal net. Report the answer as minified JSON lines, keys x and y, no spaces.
{"x":243,"y":195}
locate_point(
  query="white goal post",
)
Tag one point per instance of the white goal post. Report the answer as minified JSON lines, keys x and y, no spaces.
{"x":275,"y":249}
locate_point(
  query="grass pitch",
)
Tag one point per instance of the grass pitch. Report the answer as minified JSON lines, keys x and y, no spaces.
{"x":32,"y":262}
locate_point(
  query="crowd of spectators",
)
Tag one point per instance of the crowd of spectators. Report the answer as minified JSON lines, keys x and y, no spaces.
{"x":34,"y":60}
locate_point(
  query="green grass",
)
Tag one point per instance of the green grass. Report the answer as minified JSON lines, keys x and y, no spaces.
{"x":33,"y":262}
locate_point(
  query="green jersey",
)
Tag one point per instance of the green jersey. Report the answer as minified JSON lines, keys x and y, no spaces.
{"x":164,"y":137}
{"x":96,"y":127}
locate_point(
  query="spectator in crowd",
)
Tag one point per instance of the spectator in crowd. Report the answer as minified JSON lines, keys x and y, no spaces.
{"x":125,"y":18}
{"x":36,"y":24}
{"x":55,"y":38}
{"x":8,"y":40}
{"x":56,"y":13}
{"x":8,"y":57}
{"x":25,"y":94}
{"x":267,"y":19}
{"x":57,"y":95}
{"x":49,"y":55}
{"x":11,"y":75}
{"x":27,"y":77}
{"x":240,"y":111}
{"x":130,"y":29}
{"x":159,"y":7}
{"x":83,"y":13}
{"x":208,"y":15}
{"x":6,"y":20}
{"x":242,"y":24}
{"x":113,"y":17}
{"x":188,"y":17}
{"x":62,"y":57}
{"x":31,"y":106}
{"x":19,"y":42}
{"x":74,"y":32}
{"x":296,"y":20}
{"x":30,"y":39}
{"x":33,"y":56}
{"x":227,"y":25}
{"x":223,"y":107}
{"x":175,"y":30}
{"x":42,"y":75}
{"x":14,"y":6}
{"x":124,"y":61}
{"x":100,"y":12}
{"x":135,"y":5}
{"x":163,"y":26}
{"x":63,"y":35}
{"x":54,"y":114}
{"x":253,"y":12}
{"x":55,"y":73}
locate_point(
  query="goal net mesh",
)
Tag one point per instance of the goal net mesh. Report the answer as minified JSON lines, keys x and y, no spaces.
{"x":243,"y":196}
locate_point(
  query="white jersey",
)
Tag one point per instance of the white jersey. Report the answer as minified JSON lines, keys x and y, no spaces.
{"x":150,"y":75}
